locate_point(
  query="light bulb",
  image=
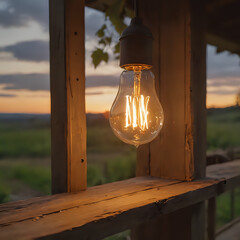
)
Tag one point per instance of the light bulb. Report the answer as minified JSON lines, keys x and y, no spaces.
{"x":136,"y":115}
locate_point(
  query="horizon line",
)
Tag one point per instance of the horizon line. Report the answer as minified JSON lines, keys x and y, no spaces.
{"x":34,"y":113}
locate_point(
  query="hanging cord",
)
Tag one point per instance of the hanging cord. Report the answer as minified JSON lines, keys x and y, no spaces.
{"x":136,"y":8}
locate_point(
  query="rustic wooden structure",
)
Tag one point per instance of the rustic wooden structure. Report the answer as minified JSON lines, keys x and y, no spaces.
{"x":104,"y":210}
{"x":166,"y":199}
{"x":68,"y":128}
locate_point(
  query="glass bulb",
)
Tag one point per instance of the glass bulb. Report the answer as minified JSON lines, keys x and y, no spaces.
{"x":136,"y":115}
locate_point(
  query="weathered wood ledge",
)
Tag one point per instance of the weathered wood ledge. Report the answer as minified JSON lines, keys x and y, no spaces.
{"x":86,"y":215}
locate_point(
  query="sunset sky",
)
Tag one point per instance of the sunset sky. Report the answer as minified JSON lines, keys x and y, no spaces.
{"x":24,"y":63}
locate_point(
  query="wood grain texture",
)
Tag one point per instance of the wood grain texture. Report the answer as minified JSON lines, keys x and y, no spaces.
{"x":49,"y":204}
{"x":67,"y":76}
{"x":58,"y":97}
{"x":211,"y":230}
{"x":171,"y":65}
{"x":149,"y":12}
{"x":156,"y":228}
{"x":179,"y":66}
{"x":197,"y":90}
{"x":182,"y":91}
{"x":112,"y":207}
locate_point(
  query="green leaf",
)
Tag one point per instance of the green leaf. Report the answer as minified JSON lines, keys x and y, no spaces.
{"x":105,"y":57}
{"x":117,"y":48}
{"x":108,"y":40}
{"x":102,"y":41}
{"x":100,"y":33}
{"x":98,"y":55}
{"x":105,"y":41}
{"x":116,"y":15}
{"x":129,"y":12}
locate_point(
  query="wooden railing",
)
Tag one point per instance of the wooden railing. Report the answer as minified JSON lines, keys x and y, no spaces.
{"x":217,"y":157}
{"x":107,"y":209}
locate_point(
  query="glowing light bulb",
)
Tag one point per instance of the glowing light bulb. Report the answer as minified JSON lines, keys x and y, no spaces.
{"x":136,"y":116}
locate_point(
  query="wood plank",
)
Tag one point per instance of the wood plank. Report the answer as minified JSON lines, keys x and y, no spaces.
{"x":179,"y":65}
{"x":219,"y":171}
{"x":171,"y":65}
{"x":222,"y":41}
{"x":161,"y":224}
{"x":48,"y":204}
{"x":67,"y":76}
{"x":180,"y":68}
{"x":58,"y":97}
{"x":232,"y":204}
{"x":143,"y":167}
{"x":110,"y":208}
{"x":211,"y":229}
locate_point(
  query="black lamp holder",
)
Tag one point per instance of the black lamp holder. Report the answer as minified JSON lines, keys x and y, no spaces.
{"x":136,"y":44}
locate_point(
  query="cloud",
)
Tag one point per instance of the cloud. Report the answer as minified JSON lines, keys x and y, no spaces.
{"x":36,"y":50}
{"x":222,"y":91}
{"x":94,"y":93}
{"x":102,"y":81}
{"x":41,"y":82}
{"x":222,"y":65}
{"x":18,"y":13}
{"x":223,"y":70}
{"x":32,"y":82}
{"x":225,"y":81}
{"x":93,"y":21}
{"x":7,"y":95}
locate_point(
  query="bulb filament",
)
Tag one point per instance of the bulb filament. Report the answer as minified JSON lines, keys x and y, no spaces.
{"x":137,"y":112}
{"x":137,"y":104}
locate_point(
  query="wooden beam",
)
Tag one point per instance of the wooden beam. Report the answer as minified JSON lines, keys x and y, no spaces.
{"x":223,"y":42}
{"x":179,"y":65}
{"x":113,"y":207}
{"x":179,"y":152}
{"x":67,"y":76}
{"x":214,"y":5}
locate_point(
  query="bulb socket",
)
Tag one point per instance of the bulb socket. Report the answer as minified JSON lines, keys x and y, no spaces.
{"x":136,"y":45}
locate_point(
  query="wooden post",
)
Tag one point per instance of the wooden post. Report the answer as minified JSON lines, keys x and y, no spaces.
{"x":211,"y":228}
{"x":179,"y":152}
{"x":180,"y":71}
{"x":67,"y":77}
{"x":232,"y":204}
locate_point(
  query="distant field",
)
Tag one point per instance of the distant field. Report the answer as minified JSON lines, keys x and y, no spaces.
{"x":25,"y":154}
{"x":28,"y":139}
{"x":24,"y":142}
{"x":223,"y":213}
{"x":223,"y":128}
{"x":31,"y":137}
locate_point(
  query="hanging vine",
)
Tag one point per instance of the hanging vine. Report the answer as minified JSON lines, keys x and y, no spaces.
{"x":108,"y":40}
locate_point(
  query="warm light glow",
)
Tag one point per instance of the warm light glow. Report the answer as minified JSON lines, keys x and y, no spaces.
{"x":137,"y":112}
{"x":137,"y":105}
{"x":136,"y":116}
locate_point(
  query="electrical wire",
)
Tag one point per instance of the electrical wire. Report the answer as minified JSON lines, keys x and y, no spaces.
{"x":136,"y":8}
